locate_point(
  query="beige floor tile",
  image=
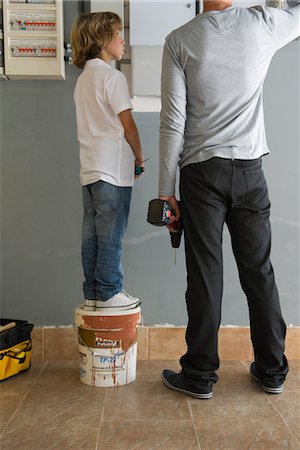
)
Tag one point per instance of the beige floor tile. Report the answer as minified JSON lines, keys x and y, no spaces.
{"x":19,"y":384}
{"x":52,"y":429}
{"x":287,"y":405}
{"x":151,"y":370}
{"x":149,"y":401}
{"x":294,"y":424}
{"x":8,"y":406}
{"x":60,"y":344}
{"x":243,"y":427}
{"x":235,"y":343}
{"x":146,"y":435}
{"x":83,"y":398}
{"x":58,"y":412}
{"x":60,"y":382}
{"x":233,"y":387}
{"x":292,"y":343}
{"x":37,"y":337}
{"x":2,"y":427}
{"x":166,"y":343}
{"x":294,"y":373}
{"x":59,"y":375}
{"x":143,"y":343}
{"x":13,"y":390}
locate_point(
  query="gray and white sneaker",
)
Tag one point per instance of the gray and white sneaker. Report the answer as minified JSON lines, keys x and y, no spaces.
{"x":269,"y":388}
{"x":121,"y":301}
{"x":89,"y":305}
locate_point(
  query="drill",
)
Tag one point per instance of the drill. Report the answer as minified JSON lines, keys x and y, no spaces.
{"x":159,"y":214}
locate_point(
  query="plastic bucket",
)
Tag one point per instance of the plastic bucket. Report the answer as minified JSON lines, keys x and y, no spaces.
{"x":107,"y":346}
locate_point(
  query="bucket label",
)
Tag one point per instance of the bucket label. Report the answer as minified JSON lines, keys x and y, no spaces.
{"x":106,"y":343}
{"x":109,"y":361}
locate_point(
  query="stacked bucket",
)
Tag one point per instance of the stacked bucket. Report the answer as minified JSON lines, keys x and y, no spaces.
{"x":107,"y":344}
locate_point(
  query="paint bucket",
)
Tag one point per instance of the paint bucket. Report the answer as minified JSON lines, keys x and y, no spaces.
{"x":107,"y":346}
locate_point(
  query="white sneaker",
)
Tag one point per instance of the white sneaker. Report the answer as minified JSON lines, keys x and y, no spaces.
{"x":121,"y":301}
{"x":89,"y":305}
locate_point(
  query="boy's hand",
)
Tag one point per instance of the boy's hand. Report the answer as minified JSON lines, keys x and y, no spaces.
{"x":139,"y":168}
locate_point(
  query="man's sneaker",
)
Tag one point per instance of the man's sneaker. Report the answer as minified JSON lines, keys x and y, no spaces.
{"x":177,"y":382}
{"x":89,"y":305}
{"x":121,"y":301}
{"x":270,"y":388}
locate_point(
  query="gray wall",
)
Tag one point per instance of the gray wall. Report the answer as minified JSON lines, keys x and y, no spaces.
{"x":41,"y":206}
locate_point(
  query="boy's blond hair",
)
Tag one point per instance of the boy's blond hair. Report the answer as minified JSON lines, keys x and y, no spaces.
{"x":90,"y":33}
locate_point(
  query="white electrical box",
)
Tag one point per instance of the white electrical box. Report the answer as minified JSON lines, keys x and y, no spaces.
{"x":151,"y":21}
{"x":115,"y":6}
{"x":149,"y":24}
{"x":33,"y":39}
{"x":146,"y":69}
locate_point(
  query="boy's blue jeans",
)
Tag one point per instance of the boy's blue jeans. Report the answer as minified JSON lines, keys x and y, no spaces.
{"x":106,"y":210}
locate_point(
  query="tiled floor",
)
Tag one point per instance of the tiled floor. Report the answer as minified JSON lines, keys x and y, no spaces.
{"x":49,"y":408}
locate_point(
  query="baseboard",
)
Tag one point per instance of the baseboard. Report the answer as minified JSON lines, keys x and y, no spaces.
{"x":155,"y":342}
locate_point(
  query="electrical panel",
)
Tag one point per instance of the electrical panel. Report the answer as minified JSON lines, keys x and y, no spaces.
{"x":150,"y":22}
{"x":33,"y":39}
{"x":147,"y":41}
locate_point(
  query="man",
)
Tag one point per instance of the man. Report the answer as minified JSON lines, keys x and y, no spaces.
{"x":212,"y":121}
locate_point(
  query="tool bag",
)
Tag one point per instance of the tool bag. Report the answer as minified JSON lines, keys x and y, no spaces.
{"x":15,"y":348}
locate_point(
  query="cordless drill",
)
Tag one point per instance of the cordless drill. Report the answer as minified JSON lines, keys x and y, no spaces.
{"x":159,"y":214}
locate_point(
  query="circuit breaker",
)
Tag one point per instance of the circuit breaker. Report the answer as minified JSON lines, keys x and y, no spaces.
{"x":33,"y":39}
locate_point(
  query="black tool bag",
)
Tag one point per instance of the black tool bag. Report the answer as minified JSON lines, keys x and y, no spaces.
{"x":15,"y":348}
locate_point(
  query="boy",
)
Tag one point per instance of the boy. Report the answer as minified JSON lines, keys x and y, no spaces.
{"x":110,"y":150}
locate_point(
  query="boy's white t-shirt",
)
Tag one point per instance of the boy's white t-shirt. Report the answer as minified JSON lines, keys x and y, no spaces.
{"x":100,"y":94}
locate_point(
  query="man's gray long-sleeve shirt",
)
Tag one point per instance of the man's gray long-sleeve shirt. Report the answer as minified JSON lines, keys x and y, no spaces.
{"x":212,"y":78}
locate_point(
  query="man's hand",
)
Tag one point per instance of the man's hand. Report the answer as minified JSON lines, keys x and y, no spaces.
{"x":175,"y":207}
